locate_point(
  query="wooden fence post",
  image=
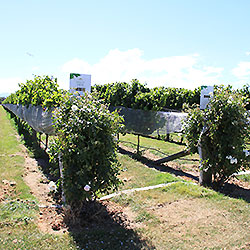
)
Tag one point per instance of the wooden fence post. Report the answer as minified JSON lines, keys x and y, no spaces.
{"x":40,"y":139}
{"x":138,"y":144}
{"x":205,"y":177}
{"x":46,"y":143}
{"x":62,"y":177}
{"x":34,"y":135}
{"x":168,"y":137}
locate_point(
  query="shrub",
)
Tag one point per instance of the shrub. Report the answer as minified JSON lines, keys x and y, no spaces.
{"x":86,"y":140}
{"x":224,"y":137}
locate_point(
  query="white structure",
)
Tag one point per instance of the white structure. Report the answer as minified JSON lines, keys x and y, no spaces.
{"x":206,"y":93}
{"x":80,"y":83}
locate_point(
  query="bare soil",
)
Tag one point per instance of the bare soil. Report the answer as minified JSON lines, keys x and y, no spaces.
{"x":50,"y":218}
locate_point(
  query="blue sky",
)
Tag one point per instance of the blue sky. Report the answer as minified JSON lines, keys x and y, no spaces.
{"x":177,"y":43}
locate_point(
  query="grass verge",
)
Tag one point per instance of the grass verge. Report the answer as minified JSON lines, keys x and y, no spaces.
{"x":134,"y":174}
{"x":18,"y":207}
{"x":163,"y":148}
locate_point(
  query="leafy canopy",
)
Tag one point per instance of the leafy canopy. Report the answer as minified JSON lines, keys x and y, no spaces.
{"x":40,"y":91}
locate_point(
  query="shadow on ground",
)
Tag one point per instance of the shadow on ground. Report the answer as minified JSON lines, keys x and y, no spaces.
{"x":103,"y":225}
{"x":229,"y":189}
{"x":163,"y":168}
{"x":235,"y":191}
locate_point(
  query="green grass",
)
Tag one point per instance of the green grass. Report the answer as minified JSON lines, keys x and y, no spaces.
{"x":11,"y":162}
{"x":165,"y":148}
{"x":244,"y":177}
{"x":171,"y":193}
{"x":8,"y":141}
{"x":186,"y":216}
{"x":135,"y":174}
{"x":29,"y":237}
{"x":15,"y":212}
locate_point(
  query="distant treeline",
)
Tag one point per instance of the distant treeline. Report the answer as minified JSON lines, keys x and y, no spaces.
{"x":139,"y":96}
{"x":2,"y":99}
{"x":44,"y":91}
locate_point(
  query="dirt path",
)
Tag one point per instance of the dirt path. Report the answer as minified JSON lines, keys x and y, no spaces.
{"x":37,"y":182}
{"x":50,"y":218}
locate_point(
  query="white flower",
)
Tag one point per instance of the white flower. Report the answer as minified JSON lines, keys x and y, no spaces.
{"x":247,"y":153}
{"x":232,"y":159}
{"x":52,"y":186}
{"x":230,"y":100}
{"x":87,"y":188}
{"x":74,"y":108}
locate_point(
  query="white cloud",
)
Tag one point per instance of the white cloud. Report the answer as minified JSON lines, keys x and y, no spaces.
{"x":175,"y":71}
{"x":9,"y":85}
{"x":76,"y":65}
{"x":242,"y":71}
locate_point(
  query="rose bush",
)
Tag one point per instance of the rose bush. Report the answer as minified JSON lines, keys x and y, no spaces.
{"x":225,"y":127}
{"x":86,"y":140}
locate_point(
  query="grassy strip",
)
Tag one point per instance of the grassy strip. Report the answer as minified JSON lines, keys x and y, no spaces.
{"x":28,"y":237}
{"x":183,"y":216}
{"x":167,"y":148}
{"x":134,"y":174}
{"x":11,"y":161}
{"x":19,"y":208}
